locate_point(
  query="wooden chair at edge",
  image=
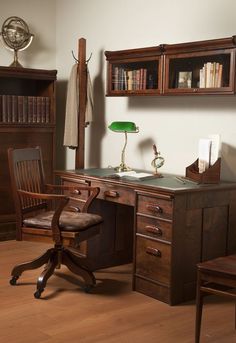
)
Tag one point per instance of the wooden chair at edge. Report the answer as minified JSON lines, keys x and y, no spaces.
{"x":37,"y":221}
{"x":218,"y":277}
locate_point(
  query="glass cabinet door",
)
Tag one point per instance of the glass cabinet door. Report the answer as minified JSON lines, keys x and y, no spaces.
{"x":200,"y":73}
{"x":137,"y":77}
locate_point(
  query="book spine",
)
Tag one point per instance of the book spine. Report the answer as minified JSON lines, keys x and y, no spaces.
{"x":20,"y":108}
{"x":30,"y":109}
{"x":43,"y":109}
{"x":34,"y":110}
{"x":25,"y":109}
{"x":47,"y":110}
{"x":0,"y":108}
{"x":14,"y":109}
{"x":4,"y":108}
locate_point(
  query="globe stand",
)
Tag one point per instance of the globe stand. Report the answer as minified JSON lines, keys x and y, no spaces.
{"x":16,"y":63}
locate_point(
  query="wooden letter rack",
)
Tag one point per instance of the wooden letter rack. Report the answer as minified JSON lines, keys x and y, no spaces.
{"x":210,"y":175}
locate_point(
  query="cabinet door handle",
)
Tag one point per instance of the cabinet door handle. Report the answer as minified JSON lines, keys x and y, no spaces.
{"x":153,"y":229}
{"x":153,"y":251}
{"x":111,"y":194}
{"x":154,"y":208}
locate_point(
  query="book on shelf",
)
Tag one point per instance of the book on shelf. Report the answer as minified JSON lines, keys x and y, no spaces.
{"x":47,"y":109}
{"x":20,"y":108}
{"x":129,"y":79}
{"x":0,"y":108}
{"x":14,"y":109}
{"x":24,"y":109}
{"x":4,"y":108}
{"x":210,"y":75}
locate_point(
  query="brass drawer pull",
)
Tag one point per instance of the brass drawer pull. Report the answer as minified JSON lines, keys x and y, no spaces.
{"x":153,"y":251}
{"x":76,"y":191}
{"x":154,"y":208}
{"x":111,"y":194}
{"x":153,"y":229}
{"x":74,"y":208}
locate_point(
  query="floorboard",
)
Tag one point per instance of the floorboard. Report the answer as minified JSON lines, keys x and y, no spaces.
{"x":113,"y":313}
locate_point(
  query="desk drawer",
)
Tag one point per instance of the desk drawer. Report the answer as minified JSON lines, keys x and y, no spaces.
{"x":154,"y":228}
{"x":115,"y":193}
{"x":76,"y":200}
{"x":72,"y":183}
{"x":155,"y":206}
{"x":153,"y":259}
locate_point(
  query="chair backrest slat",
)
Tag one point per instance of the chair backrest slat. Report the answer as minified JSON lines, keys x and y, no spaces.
{"x":26,"y":170}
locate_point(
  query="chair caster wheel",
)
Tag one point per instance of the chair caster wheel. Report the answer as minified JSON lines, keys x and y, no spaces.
{"x":13,"y":280}
{"x":37,"y":294}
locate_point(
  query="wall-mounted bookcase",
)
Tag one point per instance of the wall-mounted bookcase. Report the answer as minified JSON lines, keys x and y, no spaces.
{"x":195,"y":68}
{"x":134,"y":72}
{"x":27,"y":119}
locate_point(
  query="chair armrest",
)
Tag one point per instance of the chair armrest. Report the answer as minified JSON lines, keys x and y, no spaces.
{"x":43,"y":196}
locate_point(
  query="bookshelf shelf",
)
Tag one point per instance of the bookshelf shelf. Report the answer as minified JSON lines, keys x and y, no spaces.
{"x":195,"y":68}
{"x":27,"y":118}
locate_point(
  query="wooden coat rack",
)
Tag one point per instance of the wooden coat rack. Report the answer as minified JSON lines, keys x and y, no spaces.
{"x":82,"y":75}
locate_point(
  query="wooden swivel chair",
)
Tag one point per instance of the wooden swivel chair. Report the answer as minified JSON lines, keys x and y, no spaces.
{"x":42,"y":215}
{"x":217,"y":276}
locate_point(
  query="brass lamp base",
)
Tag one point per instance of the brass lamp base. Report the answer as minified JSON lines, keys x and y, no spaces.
{"x":122,"y":168}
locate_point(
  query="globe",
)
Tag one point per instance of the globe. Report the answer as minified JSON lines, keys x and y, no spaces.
{"x":16,"y":36}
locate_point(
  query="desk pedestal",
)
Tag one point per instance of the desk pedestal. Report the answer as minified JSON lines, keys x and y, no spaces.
{"x":165,"y":230}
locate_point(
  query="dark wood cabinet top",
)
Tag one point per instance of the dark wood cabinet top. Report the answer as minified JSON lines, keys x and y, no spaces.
{"x":28,"y":73}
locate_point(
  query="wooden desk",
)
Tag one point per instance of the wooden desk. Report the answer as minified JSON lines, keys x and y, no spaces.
{"x":164,"y":226}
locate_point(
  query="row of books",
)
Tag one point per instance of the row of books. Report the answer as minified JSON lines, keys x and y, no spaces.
{"x":24,"y":109}
{"x":211,"y":75}
{"x":137,"y":79}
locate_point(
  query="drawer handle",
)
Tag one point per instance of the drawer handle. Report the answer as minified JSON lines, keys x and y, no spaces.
{"x":74,"y":208}
{"x":153,"y":251}
{"x":111,"y":194}
{"x":153,"y":229}
{"x":76,"y":191}
{"x":154,"y":208}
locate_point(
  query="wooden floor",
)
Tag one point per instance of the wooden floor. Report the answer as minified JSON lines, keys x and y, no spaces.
{"x":112,"y":314}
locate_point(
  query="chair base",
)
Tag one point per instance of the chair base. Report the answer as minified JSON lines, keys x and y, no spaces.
{"x":52,"y":259}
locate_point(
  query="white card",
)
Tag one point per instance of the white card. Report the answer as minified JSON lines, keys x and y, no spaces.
{"x":204,"y":149}
{"x":215,"y":148}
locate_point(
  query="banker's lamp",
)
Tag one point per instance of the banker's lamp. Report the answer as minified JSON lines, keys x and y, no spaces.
{"x":124,"y":127}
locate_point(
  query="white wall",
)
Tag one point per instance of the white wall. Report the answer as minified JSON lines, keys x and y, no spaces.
{"x":175,"y":124}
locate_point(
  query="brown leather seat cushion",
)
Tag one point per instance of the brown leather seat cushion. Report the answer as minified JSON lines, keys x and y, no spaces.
{"x":69,"y":221}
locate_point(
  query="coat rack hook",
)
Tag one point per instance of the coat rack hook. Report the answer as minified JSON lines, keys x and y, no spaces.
{"x":74,"y":56}
{"x":87,"y":61}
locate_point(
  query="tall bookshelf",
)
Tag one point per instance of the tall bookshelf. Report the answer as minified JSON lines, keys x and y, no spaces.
{"x":27,"y":119}
{"x":194,"y":68}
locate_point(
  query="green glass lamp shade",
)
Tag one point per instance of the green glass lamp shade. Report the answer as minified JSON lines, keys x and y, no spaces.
{"x":123,"y":126}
